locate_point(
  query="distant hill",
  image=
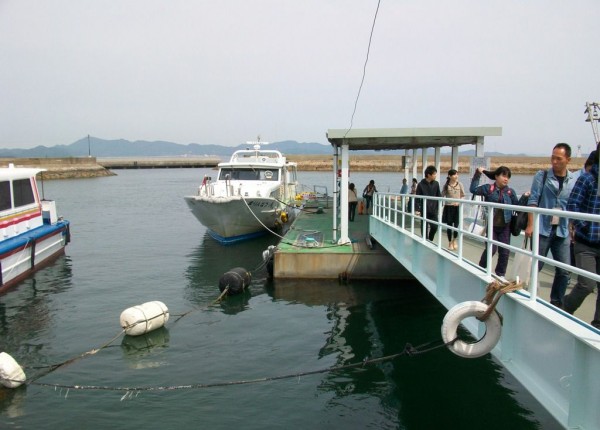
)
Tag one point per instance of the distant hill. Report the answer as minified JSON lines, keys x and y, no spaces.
{"x":125,"y":148}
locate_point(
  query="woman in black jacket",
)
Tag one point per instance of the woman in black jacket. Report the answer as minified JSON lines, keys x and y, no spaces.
{"x":498,"y":192}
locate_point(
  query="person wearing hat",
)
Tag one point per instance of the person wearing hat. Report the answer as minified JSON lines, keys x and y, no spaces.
{"x":585,"y":199}
{"x":497,"y":192}
{"x":551,"y":189}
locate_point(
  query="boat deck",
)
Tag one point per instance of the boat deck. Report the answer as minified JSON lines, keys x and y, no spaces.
{"x":308,"y":251}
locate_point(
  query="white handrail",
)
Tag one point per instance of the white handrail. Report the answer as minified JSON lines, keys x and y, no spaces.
{"x":390,"y":208}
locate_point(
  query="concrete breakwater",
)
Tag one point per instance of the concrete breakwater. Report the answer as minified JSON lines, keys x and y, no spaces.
{"x":521,"y":165}
{"x":90,"y":167}
{"x":61,"y":168}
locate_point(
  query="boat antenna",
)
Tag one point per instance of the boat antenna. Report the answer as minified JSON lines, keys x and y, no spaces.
{"x":257,"y":143}
{"x":42,"y":182}
{"x":592,"y":110}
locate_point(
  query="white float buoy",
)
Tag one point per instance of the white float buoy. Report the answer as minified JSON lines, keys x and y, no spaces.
{"x":11,"y":374}
{"x":144,"y":318}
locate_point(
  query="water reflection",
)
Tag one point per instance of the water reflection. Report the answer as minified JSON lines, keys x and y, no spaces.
{"x":232,"y":305}
{"x":25,"y":309}
{"x":371,"y":320}
{"x":12,"y":401}
{"x":142,"y":352}
{"x":210,"y":260}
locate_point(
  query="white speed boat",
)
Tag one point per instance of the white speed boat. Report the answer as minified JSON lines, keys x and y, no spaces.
{"x":254,"y":192}
{"x":31,"y":233}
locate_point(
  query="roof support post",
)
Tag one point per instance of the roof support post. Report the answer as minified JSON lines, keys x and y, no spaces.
{"x":344,"y":237}
{"x":423,"y":161}
{"x":479,"y":151}
{"x":414,"y":164}
{"x":438,"y":158}
{"x":454,"y":158}
{"x":336,"y":191}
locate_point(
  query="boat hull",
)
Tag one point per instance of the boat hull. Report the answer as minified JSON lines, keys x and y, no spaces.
{"x":234,"y":219}
{"x":22,"y":255}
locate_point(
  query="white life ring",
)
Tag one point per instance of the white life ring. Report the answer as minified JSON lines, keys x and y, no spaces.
{"x":493,"y":329}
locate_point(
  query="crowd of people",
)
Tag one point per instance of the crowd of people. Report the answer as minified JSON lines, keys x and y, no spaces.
{"x":570,"y":241}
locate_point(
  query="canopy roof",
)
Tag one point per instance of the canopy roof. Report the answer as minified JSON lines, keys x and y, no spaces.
{"x":409,"y":138}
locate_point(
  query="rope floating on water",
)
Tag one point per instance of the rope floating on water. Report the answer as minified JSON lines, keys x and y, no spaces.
{"x":51,"y":368}
{"x":408,"y":350}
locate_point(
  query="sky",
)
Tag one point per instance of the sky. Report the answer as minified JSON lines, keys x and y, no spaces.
{"x":224,"y":72}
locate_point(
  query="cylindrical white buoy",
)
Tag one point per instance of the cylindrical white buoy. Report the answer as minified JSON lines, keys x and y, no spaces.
{"x":11,"y":374}
{"x":143,"y":318}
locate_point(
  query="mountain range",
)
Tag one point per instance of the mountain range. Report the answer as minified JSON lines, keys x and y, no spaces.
{"x":97,"y":147}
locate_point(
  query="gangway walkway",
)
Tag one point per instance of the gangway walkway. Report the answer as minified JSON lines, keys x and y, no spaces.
{"x":556,"y":356}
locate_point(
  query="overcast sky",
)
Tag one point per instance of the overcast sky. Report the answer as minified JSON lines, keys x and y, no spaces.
{"x":223,"y":72}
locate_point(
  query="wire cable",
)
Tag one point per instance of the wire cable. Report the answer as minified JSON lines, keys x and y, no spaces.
{"x":364,"y":69}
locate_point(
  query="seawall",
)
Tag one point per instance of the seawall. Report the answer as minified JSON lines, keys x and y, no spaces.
{"x":61,"y":168}
{"x":91,"y":167}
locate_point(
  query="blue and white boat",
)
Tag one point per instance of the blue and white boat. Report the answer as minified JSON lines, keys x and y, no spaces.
{"x":31,"y":233}
{"x":255,"y":191}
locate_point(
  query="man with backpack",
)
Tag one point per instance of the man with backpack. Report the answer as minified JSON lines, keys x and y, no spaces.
{"x":550,"y":189}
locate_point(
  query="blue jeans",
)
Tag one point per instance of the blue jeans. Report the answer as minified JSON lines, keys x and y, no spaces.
{"x":586,"y":258}
{"x":500,"y":234}
{"x":561,"y":251}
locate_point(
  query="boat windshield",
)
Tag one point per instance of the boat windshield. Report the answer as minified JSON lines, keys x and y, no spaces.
{"x":22,"y":194}
{"x":249,"y":174}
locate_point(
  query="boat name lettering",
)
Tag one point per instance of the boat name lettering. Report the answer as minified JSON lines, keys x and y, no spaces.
{"x":262,"y":204}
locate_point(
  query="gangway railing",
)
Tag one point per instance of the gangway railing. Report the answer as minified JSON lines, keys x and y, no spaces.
{"x":400,"y":211}
{"x":554,"y":355}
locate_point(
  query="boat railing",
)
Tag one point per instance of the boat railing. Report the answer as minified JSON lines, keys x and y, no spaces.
{"x":399,"y":211}
{"x":263,"y":156}
{"x":314,"y":196}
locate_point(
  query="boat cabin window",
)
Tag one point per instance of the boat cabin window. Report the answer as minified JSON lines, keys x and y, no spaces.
{"x":23,"y":192}
{"x":4,"y":195}
{"x":249,"y":174}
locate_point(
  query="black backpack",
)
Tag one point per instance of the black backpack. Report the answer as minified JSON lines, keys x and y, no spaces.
{"x":519,"y":220}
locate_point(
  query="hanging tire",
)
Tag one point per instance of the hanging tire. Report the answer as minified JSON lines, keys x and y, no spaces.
{"x":493,"y":329}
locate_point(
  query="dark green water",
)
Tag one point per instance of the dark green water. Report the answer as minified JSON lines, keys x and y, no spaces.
{"x":134,"y":241}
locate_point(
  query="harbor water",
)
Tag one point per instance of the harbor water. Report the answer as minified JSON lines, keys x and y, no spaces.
{"x":135,"y":241}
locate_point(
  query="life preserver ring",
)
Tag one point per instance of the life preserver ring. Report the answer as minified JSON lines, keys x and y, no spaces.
{"x":493,"y":329}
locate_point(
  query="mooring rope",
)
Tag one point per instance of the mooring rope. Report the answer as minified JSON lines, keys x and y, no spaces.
{"x":408,"y":350}
{"x":282,"y":238}
{"x":493,"y":292}
{"x":52,"y":367}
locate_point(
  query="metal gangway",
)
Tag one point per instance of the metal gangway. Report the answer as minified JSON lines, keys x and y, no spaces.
{"x":554,"y":355}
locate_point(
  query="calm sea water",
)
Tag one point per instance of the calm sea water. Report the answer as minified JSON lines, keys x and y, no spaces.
{"x":134,"y":241}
